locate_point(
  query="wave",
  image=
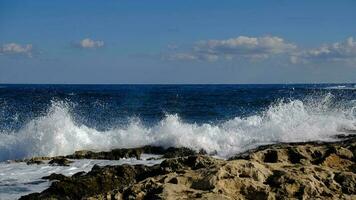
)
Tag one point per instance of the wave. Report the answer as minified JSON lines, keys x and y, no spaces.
{"x":341,"y":87}
{"x":56,"y":133}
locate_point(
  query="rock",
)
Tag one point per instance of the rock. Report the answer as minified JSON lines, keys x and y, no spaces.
{"x":335,"y":162}
{"x":153,"y":150}
{"x":115,"y":154}
{"x":82,"y":154}
{"x":344,"y":153}
{"x":99,"y":180}
{"x":310,"y":170}
{"x":78,"y":174}
{"x":33,"y":161}
{"x":60,"y":161}
{"x":347,"y":181}
{"x":54,"y":176}
{"x":191,"y":162}
{"x":179,"y":152}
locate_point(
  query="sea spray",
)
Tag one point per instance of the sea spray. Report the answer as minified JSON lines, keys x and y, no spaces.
{"x":57,"y":133}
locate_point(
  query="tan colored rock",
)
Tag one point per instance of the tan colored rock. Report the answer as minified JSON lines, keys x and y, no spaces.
{"x":282,"y":171}
{"x":344,"y":153}
{"x":334,"y":161}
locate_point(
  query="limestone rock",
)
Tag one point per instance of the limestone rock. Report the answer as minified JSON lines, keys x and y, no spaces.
{"x":310,"y":170}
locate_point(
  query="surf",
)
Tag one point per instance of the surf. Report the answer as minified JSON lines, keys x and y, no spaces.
{"x":57,"y":133}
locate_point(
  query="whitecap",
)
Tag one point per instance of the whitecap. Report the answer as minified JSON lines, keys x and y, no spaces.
{"x":56,"y":133}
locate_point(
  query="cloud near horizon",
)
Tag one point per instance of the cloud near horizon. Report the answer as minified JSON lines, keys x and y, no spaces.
{"x":344,"y":51}
{"x":16,"y":49}
{"x":241,"y":47}
{"x":88,"y":43}
{"x":259,"y":48}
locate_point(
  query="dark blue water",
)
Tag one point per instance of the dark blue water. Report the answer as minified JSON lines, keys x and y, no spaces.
{"x":42,"y":120}
{"x":103,"y":106}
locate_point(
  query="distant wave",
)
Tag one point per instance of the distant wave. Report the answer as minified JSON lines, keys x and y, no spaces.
{"x":342,"y":87}
{"x":56,"y":133}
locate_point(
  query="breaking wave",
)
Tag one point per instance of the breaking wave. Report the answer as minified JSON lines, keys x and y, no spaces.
{"x":56,"y":133}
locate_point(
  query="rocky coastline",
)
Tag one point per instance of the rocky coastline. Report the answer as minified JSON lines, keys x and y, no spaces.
{"x":310,"y":170}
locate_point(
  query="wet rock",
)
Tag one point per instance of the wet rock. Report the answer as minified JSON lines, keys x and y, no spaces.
{"x":99,"y":180}
{"x":115,"y":154}
{"x":78,"y":174}
{"x":60,"y":161}
{"x":178,"y":152}
{"x":34,"y":162}
{"x":54,"y":176}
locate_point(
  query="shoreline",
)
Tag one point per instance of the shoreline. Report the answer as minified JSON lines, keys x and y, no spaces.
{"x":170,"y":152}
{"x":285,"y":170}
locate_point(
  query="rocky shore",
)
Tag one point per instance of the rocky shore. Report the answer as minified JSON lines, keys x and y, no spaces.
{"x":311,"y":170}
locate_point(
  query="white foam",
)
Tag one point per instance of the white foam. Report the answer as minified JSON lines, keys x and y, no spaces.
{"x":287,"y":121}
{"x":18,"y":179}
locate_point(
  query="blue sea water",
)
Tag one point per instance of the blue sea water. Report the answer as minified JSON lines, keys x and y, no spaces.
{"x":59,"y":119}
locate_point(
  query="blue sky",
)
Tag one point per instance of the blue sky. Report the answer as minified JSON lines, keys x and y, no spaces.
{"x":176,"y":41}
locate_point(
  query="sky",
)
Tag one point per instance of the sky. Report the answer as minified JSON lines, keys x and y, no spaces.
{"x":177,"y":41}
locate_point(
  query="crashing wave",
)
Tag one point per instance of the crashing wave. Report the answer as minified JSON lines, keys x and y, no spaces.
{"x":56,"y":133}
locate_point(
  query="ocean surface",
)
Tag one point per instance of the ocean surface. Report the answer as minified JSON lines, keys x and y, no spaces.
{"x":49,"y":120}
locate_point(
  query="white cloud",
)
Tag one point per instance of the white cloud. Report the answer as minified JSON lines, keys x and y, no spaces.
{"x":90,"y":44}
{"x":13,"y":48}
{"x":337,"y":52}
{"x":240,"y":47}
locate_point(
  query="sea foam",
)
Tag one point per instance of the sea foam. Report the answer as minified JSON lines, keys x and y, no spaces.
{"x":56,"y":133}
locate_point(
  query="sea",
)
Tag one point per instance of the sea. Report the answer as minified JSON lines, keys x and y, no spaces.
{"x":50,"y":120}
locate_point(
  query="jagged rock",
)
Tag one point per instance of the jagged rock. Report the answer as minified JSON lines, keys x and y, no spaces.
{"x":117,"y":154}
{"x":34,"y":161}
{"x":60,"y":161}
{"x":311,"y":170}
{"x":99,"y":180}
{"x":54,"y":176}
{"x":344,"y":153}
{"x":347,"y":181}
{"x":178,"y":152}
{"x":193,"y":162}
